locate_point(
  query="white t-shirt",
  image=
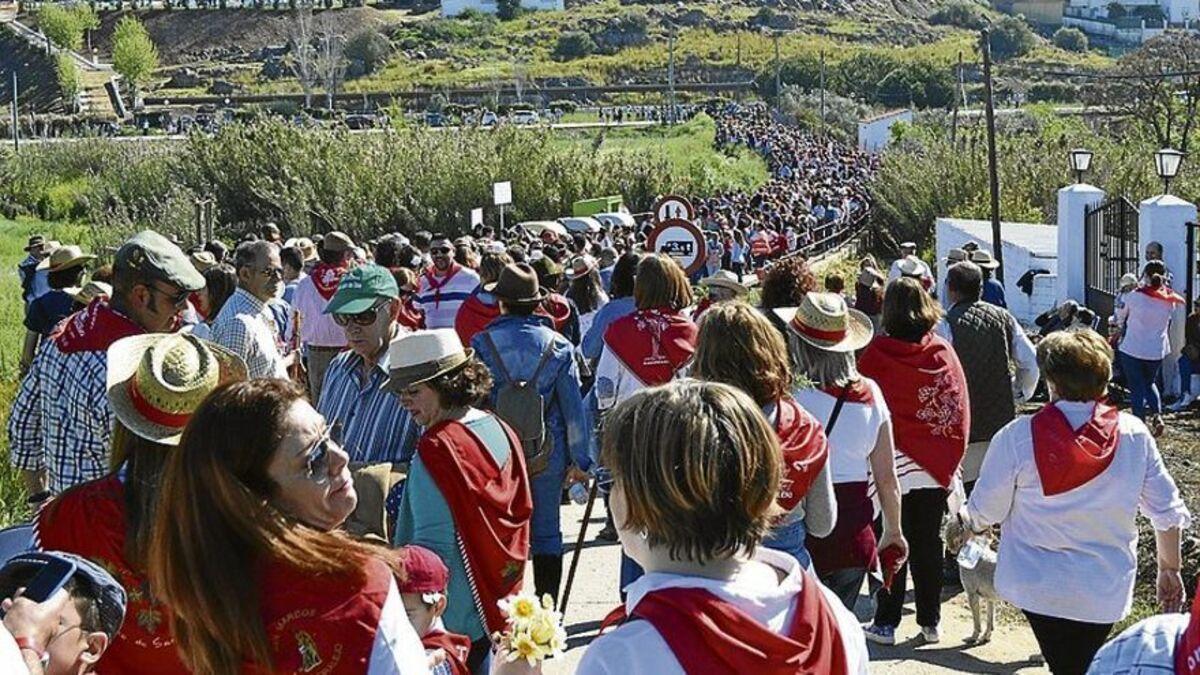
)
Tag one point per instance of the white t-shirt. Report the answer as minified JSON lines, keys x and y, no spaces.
{"x":1073,"y":555}
{"x":854,"y":433}
{"x":1146,"y":320}
{"x":636,"y":648}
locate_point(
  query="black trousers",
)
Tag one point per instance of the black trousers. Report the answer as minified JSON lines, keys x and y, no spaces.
{"x":1068,"y":646}
{"x":921,"y":522}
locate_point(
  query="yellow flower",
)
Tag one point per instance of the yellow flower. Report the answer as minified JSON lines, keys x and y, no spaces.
{"x":524,"y":647}
{"x":547,"y":601}
{"x":542,"y":630}
{"x":523,"y":608}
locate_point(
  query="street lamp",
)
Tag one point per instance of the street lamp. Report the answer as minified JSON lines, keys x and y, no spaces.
{"x":1081,"y":161}
{"x":1166,"y":164}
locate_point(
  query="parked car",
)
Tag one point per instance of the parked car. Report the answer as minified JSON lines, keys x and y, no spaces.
{"x":525,"y":117}
{"x":488,"y":119}
{"x":435,"y":119}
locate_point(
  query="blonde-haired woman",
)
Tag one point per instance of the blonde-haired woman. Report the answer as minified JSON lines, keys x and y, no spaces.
{"x":757,"y":363}
{"x":1066,"y":484}
{"x":696,"y":469}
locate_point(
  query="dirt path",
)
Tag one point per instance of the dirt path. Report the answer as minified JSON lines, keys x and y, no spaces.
{"x":595,"y":594}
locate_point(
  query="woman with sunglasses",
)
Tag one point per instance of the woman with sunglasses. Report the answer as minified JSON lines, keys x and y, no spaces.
{"x":247,"y":555}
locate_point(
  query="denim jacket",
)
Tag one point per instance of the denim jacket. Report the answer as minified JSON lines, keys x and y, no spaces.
{"x":521,"y":341}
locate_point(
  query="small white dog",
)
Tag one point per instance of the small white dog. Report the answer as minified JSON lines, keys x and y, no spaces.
{"x":978,"y":582}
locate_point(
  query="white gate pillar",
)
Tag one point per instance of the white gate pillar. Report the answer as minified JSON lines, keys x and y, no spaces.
{"x":1073,"y":200}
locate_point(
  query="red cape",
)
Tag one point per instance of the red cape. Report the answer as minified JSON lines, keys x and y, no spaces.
{"x":709,"y":635}
{"x":926,"y":392}
{"x":457,"y":648}
{"x":473,"y":316}
{"x":805,"y":451}
{"x":93,"y":328}
{"x":1066,"y":458}
{"x":856,"y":392}
{"x":652,"y":343}
{"x":491,"y":506}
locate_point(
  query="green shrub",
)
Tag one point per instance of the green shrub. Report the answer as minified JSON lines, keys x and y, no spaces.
{"x":1011,"y":37}
{"x":962,"y":13}
{"x":574,"y":45}
{"x":64,"y":201}
{"x":370,"y":47}
{"x":1070,"y":39}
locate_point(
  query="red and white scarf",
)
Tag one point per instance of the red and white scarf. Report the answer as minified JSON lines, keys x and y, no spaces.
{"x":653,"y":343}
{"x":805,"y":451}
{"x":436,"y":284}
{"x":1162,"y":293}
{"x":926,"y":392}
{"x":93,"y":328}
{"x":1187,"y":650}
{"x":1068,"y":458}
{"x":326,"y":278}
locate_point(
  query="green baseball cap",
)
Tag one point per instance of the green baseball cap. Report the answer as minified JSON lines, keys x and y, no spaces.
{"x":155,"y":257}
{"x":361,"y":288}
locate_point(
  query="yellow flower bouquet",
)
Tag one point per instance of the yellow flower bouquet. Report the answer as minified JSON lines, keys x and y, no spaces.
{"x":534,"y":630}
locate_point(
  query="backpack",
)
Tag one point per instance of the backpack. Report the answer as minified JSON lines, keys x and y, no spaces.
{"x":520,"y":405}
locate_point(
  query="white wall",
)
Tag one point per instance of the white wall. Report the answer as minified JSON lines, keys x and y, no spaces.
{"x":456,"y":7}
{"x":875,"y":134}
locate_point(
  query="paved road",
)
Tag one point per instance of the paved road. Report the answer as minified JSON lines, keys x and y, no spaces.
{"x":595,"y":594}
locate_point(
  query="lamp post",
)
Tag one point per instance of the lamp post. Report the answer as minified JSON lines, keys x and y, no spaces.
{"x":1166,"y":165}
{"x":1081,"y":161}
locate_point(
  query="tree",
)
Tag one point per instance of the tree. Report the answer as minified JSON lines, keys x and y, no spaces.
{"x":61,"y":25}
{"x":304,"y":56}
{"x":69,"y":83}
{"x":508,"y":10}
{"x":1070,"y":39}
{"x":134,"y":55}
{"x":1012,"y":37}
{"x":330,"y":62}
{"x":960,"y":13}
{"x":1117,"y":11}
{"x":574,"y":45}
{"x":370,"y":47}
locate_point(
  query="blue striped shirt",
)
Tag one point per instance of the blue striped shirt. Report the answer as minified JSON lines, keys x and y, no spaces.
{"x":374,"y":426}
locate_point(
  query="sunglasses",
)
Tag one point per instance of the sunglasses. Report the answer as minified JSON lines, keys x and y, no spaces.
{"x":316,"y":462}
{"x":363,"y":319}
{"x":178,"y":299}
{"x":271,"y":272}
{"x":440,"y":251}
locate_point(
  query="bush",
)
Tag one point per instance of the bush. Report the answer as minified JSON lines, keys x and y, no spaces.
{"x":370,"y":47}
{"x":67,"y":74}
{"x":134,"y":55}
{"x":1058,"y":92}
{"x":574,"y":45}
{"x":507,"y":10}
{"x":564,"y":105}
{"x":1070,"y":39}
{"x":1011,"y":37}
{"x":61,"y":25}
{"x":963,"y":14}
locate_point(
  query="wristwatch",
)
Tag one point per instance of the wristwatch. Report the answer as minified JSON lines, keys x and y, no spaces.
{"x":27,"y":644}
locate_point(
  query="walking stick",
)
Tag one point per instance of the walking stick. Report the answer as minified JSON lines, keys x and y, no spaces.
{"x":587,"y":515}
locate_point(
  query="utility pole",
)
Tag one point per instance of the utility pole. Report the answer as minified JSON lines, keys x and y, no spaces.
{"x":954,"y":120}
{"x":739,"y":51}
{"x":993,"y":176}
{"x":822,"y":92}
{"x":671,"y":77}
{"x":16,"y":127}
{"x":778,"y":90}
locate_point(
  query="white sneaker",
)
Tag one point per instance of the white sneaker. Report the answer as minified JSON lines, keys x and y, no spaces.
{"x":930,"y":635}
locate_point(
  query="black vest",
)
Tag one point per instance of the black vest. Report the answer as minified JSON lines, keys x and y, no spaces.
{"x":982,"y":339}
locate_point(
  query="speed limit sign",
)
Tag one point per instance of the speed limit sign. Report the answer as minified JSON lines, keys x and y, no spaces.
{"x":672,"y":207}
{"x":682,"y":241}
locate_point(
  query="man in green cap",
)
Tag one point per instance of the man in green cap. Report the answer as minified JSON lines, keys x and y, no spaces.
{"x":374,"y":426}
{"x":61,"y":425}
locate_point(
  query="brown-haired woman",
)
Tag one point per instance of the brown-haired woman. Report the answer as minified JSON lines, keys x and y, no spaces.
{"x":1146,"y":317}
{"x":245,"y":552}
{"x":757,"y":363}
{"x":411,"y":315}
{"x":155,"y":383}
{"x":696,"y":470}
{"x":468,"y":495}
{"x":784,"y":285}
{"x":650,"y":346}
{"x":926,"y":392}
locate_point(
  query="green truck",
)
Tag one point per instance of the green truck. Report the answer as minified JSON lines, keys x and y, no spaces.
{"x":590,"y":207}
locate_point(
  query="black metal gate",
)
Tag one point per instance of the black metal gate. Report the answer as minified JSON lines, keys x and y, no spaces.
{"x":1111,"y":250}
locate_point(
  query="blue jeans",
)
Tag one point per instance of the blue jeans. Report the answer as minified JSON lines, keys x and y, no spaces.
{"x":547,"y":501}
{"x":1141,"y":374}
{"x":790,"y":539}
{"x":1186,"y":368}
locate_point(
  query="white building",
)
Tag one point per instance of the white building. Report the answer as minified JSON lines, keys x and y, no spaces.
{"x":456,"y":7}
{"x":875,"y":133}
{"x":1176,"y":11}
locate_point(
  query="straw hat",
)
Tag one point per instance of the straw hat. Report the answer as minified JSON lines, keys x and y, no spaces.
{"x":824,"y":321}
{"x":89,"y":292}
{"x":955,"y":255}
{"x":911,"y":267}
{"x":424,"y":355}
{"x":203,"y":261}
{"x":984,"y":260}
{"x":725,"y":279}
{"x":581,"y":265}
{"x":64,"y":258}
{"x":308,"y":250}
{"x":156,"y":381}
{"x":37,"y":242}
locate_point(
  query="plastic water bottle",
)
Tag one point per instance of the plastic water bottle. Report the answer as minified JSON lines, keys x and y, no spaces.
{"x":578,"y":493}
{"x":970,"y":554}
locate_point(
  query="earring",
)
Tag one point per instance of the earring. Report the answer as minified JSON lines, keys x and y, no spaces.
{"x":643,"y":534}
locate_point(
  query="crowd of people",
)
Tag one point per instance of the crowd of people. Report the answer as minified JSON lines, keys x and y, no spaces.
{"x":318,"y":454}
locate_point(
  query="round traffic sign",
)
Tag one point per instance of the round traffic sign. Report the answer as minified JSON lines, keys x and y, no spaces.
{"x":682,"y":241}
{"x":672,"y":207}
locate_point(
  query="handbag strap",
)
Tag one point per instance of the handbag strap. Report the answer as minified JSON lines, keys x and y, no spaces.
{"x":837,"y":410}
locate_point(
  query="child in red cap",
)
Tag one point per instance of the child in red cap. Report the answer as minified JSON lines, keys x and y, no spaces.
{"x":423,"y":591}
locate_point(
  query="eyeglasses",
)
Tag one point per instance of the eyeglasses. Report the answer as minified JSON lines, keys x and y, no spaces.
{"x":178,"y":299}
{"x":363,"y":319}
{"x":271,"y":272}
{"x":316,"y":461}
{"x":440,"y":251}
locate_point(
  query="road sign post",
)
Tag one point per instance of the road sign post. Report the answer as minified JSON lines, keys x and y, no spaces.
{"x":501,"y":197}
{"x":682,"y":241}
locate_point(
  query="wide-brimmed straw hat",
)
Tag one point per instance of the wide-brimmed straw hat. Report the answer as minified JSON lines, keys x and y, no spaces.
{"x":203,"y":260}
{"x":824,"y":321}
{"x":421,"y":356}
{"x":37,"y":242}
{"x":517,"y":285}
{"x":581,"y":265}
{"x":911,"y":267}
{"x":984,"y":259}
{"x":89,"y":292}
{"x":64,"y":258}
{"x":726,"y":279}
{"x":955,"y":255}
{"x":156,"y":381}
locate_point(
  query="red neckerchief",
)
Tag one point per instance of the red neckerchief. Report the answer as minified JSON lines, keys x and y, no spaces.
{"x":856,"y":392}
{"x":435,"y":284}
{"x":709,"y":635}
{"x":1162,"y":293}
{"x":473,"y":316}
{"x":491,"y":506}
{"x":1066,"y":458}
{"x":805,"y":451}
{"x":652,"y":343}
{"x":326,"y":278}
{"x":926,"y":392}
{"x":93,"y":329}
{"x":1187,"y":650}
{"x":457,"y":648}
{"x":322,"y":622}
{"x":89,"y":520}
{"x":701,"y":308}
{"x":194,"y":301}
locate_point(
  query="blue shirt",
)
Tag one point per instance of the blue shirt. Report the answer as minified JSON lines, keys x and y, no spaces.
{"x":993,"y":293}
{"x":374,"y":426}
{"x":47,"y":310}
{"x":593,"y":342}
{"x":521,"y":340}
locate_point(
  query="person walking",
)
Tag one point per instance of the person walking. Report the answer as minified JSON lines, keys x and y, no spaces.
{"x":60,"y":426}
{"x":481,"y":308}
{"x":445,"y":285}
{"x":1066,"y":484}
{"x":757,"y":363}
{"x":1146,"y":317}
{"x":65,"y":267}
{"x":696,"y":471}
{"x":467,"y":497}
{"x":585,"y":290}
{"x":320,"y":336}
{"x":825,"y":333}
{"x":621,"y":303}
{"x":521,"y":346}
{"x":246,"y":326}
{"x":926,"y":393}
